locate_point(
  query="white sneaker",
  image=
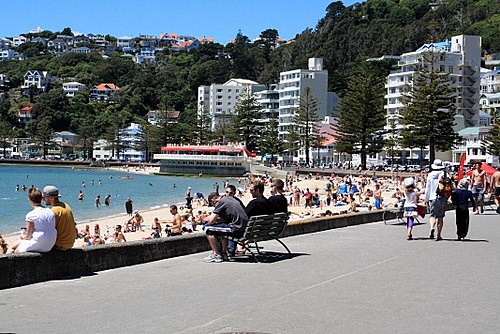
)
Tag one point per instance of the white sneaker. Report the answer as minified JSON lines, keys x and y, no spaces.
{"x":213,"y":258}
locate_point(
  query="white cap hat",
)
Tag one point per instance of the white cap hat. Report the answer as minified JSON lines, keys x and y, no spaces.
{"x":409,"y":181}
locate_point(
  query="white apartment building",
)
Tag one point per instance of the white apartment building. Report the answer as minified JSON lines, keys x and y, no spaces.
{"x":268,"y":100}
{"x":73,"y":88}
{"x":220,"y":100}
{"x":490,"y":104}
{"x":291,"y":86}
{"x":472,"y":146}
{"x":490,"y":80}
{"x":461,"y":58}
{"x":125,"y":42}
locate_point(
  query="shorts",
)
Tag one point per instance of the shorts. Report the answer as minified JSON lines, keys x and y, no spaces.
{"x":222,"y":230}
{"x":438,"y":207}
{"x":497,"y":191}
{"x":478,"y":192}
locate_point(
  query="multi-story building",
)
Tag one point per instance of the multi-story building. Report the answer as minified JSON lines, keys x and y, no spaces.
{"x":104,"y":92}
{"x":461,"y":58}
{"x":490,"y":80}
{"x":145,"y":53}
{"x":129,"y":137}
{"x":472,"y":146}
{"x":72,"y":88}
{"x":490,"y":104}
{"x":6,"y":54}
{"x":39,"y":80}
{"x":220,"y":100}
{"x":268,"y":100}
{"x":126,"y":43}
{"x":291,"y":87}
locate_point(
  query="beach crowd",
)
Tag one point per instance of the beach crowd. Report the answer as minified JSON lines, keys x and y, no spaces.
{"x":302,"y":194}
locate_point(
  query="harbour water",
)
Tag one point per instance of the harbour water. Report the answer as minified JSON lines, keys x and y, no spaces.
{"x":146,"y":191}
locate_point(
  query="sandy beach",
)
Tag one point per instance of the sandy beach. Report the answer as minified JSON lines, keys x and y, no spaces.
{"x":107,"y":225}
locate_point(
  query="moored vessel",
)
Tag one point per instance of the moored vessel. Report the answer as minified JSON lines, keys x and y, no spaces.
{"x":231,"y":159}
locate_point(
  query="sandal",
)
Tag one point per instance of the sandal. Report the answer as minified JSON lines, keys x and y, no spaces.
{"x":409,"y":237}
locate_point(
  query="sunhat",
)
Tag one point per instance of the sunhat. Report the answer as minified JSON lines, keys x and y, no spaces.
{"x":438,"y":164}
{"x":409,"y":181}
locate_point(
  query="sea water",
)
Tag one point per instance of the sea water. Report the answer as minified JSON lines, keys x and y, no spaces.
{"x":147,"y":192}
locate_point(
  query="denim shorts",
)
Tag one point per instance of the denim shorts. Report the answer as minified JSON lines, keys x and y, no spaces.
{"x":478,"y":192}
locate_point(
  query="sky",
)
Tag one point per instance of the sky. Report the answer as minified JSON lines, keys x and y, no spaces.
{"x":219,"y":19}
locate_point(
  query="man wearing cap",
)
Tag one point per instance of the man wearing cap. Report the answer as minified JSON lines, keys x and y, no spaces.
{"x":65,"y":222}
{"x":228,"y":218}
{"x":436,"y":202}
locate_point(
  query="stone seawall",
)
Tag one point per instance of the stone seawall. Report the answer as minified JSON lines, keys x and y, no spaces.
{"x":27,"y":268}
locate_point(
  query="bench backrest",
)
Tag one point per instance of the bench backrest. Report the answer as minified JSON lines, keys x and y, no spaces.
{"x":265,"y":226}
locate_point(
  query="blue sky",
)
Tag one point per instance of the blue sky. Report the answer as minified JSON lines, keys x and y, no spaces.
{"x":220,"y":19}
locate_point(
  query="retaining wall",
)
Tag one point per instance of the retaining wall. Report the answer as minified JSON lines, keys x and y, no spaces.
{"x":27,"y":268}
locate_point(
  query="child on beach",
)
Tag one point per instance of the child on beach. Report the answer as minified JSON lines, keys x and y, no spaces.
{"x":410,"y":206}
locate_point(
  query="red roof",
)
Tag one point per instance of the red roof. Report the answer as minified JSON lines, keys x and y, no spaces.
{"x":27,"y":108}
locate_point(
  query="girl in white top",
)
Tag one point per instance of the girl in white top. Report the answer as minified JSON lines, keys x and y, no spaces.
{"x":41,"y":231}
{"x":410,"y":206}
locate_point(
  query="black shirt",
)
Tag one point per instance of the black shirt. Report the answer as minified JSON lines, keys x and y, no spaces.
{"x":278,"y":203}
{"x":258,"y":206}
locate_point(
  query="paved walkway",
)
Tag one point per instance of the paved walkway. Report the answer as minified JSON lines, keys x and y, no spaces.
{"x":361,"y":279}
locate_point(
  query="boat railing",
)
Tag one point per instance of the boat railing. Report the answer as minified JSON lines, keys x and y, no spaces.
{"x":188,"y":157}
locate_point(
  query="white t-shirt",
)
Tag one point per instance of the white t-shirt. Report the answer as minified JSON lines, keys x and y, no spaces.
{"x":432,"y":184}
{"x":44,"y":231}
{"x":411,"y":199}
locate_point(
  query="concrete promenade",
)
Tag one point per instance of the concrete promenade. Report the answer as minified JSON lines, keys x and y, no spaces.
{"x":359,"y":279}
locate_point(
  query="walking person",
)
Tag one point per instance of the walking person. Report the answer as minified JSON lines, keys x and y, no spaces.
{"x":460,"y":198}
{"x":410,"y":206}
{"x":478,"y":186}
{"x":495,"y":184}
{"x":436,"y":202}
{"x":129,"y":206}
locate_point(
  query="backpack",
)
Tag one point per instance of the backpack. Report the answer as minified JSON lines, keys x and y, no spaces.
{"x":445,"y":186}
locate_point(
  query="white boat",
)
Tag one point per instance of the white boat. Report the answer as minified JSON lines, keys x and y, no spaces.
{"x":227,"y":160}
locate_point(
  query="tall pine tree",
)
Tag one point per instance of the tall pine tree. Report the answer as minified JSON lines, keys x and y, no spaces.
{"x":247,"y":119}
{"x":428,"y":109}
{"x":360,"y":121}
{"x":306,"y":121}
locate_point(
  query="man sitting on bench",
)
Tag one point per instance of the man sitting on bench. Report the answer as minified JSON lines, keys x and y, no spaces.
{"x":228,"y":218}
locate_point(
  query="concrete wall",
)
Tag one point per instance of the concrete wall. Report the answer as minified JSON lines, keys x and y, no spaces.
{"x":28,"y":268}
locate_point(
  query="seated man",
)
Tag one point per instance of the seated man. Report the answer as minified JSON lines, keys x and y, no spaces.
{"x":136,"y":221}
{"x":176,"y":224}
{"x":277,"y":201}
{"x":119,"y":236}
{"x":228,"y":218}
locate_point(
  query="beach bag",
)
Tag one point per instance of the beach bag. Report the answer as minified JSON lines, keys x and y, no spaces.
{"x":421,"y":210}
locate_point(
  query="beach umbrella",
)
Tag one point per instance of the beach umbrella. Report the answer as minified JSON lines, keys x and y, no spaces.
{"x":489,"y":170}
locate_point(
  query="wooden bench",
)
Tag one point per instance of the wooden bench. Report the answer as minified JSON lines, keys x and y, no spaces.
{"x":261,"y":228}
